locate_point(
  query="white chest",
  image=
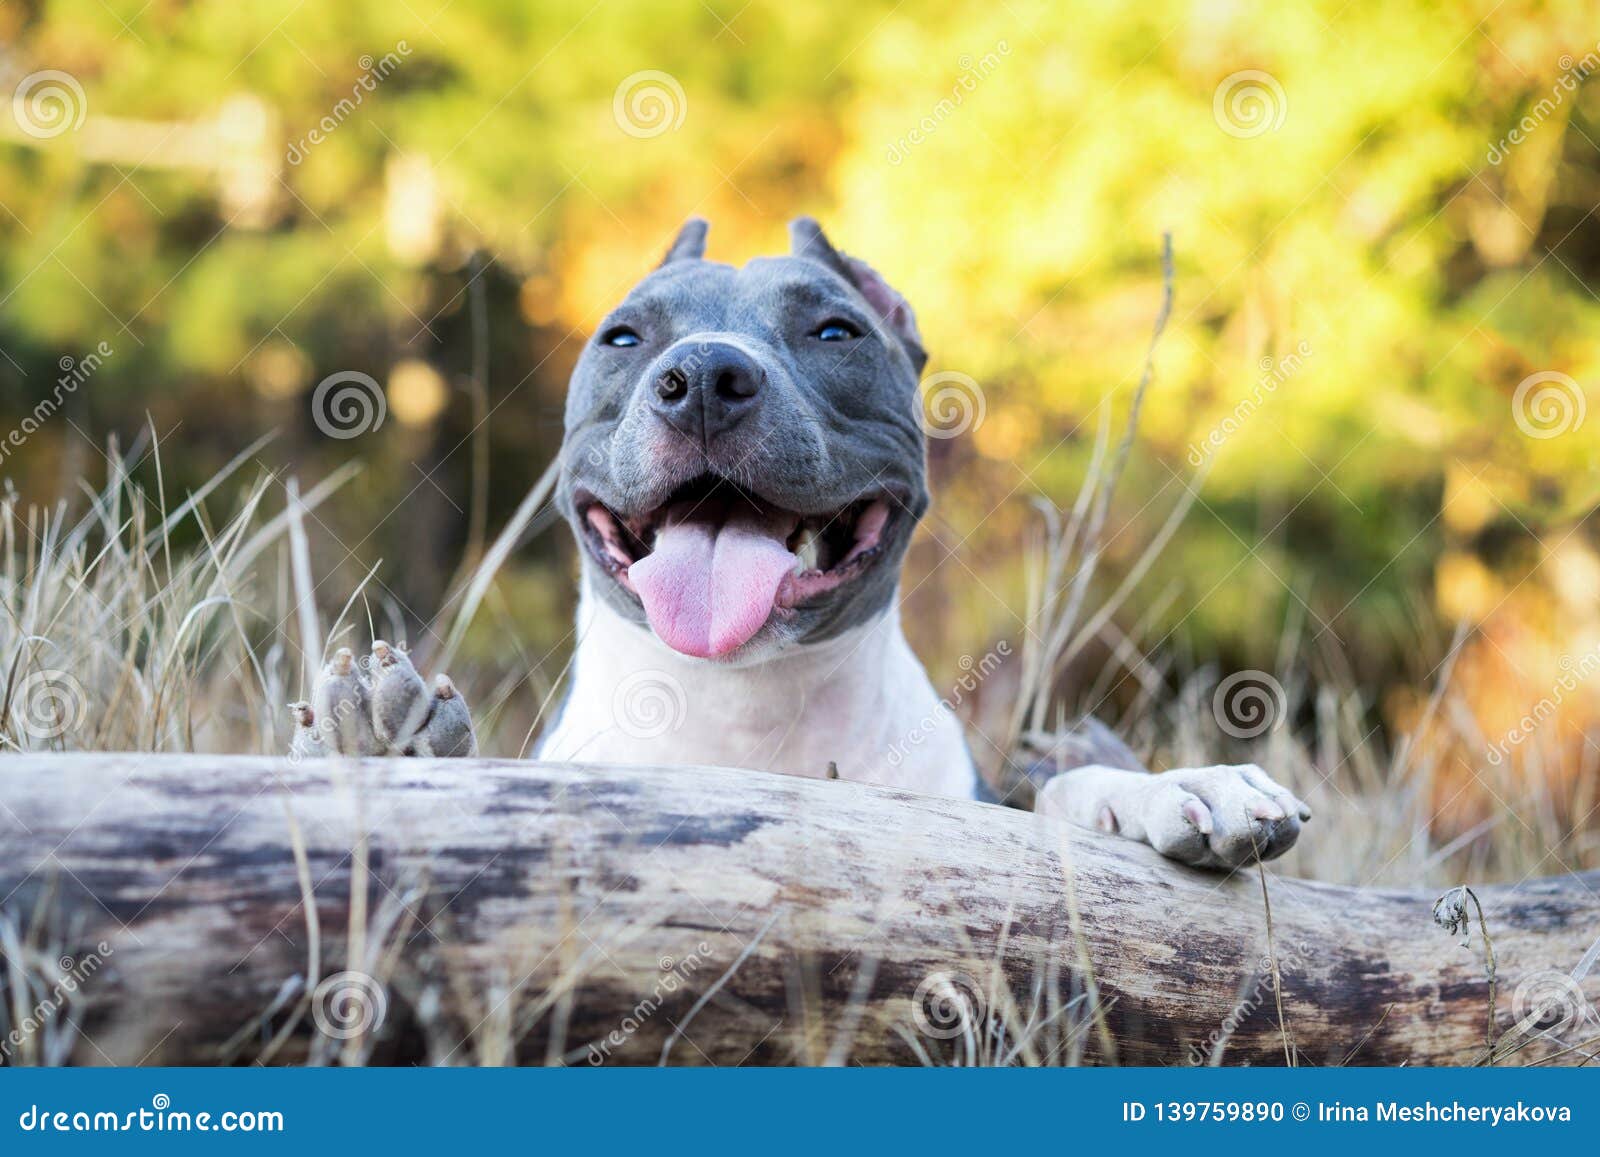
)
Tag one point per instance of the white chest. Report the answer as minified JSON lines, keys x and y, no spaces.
{"x":861,"y":702}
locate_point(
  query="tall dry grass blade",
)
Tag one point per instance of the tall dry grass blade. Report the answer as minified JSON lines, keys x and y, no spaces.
{"x":170,"y":521}
{"x":1272,"y":957}
{"x":716,"y":986}
{"x":1091,"y":630}
{"x":504,"y":544}
{"x":313,"y":498}
{"x":1094,"y":500}
{"x":311,"y":645}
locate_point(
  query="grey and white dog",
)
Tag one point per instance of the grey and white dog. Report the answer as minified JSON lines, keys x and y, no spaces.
{"x":743,"y":468}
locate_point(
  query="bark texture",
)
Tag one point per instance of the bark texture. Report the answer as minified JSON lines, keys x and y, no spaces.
{"x":511,"y":911}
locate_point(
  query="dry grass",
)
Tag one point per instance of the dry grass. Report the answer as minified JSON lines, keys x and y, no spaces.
{"x":1386,"y":812}
{"x":111,"y":639}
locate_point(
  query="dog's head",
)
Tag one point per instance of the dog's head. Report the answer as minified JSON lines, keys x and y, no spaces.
{"x":744,"y":455}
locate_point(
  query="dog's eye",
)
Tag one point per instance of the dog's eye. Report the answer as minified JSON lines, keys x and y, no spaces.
{"x":836,"y":329}
{"x":620,"y":336}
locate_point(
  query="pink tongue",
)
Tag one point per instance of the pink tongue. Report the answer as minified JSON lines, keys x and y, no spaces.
{"x":707,"y":589}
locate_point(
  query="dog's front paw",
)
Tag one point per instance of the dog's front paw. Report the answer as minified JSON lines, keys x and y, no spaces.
{"x":381,"y":706}
{"x":1219,"y":817}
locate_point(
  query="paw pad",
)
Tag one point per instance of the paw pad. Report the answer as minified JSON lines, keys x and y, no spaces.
{"x":380,"y":706}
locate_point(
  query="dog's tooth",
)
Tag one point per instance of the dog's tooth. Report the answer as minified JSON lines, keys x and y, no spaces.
{"x":806,"y":549}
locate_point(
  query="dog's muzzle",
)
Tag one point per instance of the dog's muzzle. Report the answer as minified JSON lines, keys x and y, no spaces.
{"x":713,"y":564}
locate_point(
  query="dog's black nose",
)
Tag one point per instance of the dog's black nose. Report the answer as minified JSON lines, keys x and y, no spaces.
{"x":703,"y":388}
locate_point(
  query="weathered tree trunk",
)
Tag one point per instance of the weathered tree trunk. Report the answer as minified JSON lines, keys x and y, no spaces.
{"x":530,"y":911}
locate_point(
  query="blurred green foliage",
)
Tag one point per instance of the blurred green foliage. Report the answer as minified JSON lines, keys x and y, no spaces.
{"x":1364,"y":253}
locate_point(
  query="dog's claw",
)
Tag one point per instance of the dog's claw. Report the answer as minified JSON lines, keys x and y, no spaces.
{"x":1267,"y":810}
{"x":448,"y":731}
{"x":307,"y":742}
{"x":342,"y":704}
{"x":1195,"y":812}
{"x":1221,"y":817}
{"x":399,"y":696}
{"x":392,"y":713}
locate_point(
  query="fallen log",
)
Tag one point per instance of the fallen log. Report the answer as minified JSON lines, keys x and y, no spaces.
{"x":472,"y":911}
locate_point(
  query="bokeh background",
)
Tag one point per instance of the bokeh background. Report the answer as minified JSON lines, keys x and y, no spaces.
{"x":1378,"y":376}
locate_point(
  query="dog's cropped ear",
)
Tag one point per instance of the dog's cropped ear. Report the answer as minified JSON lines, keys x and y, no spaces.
{"x":690,"y":243}
{"x":806,"y":239}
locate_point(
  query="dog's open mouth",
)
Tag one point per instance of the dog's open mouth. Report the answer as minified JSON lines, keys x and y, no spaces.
{"x":713,"y":563}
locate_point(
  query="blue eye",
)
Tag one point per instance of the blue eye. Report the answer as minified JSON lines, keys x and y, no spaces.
{"x":620,"y":336}
{"x":836,"y":330}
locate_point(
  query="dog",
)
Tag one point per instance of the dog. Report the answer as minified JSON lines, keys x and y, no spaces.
{"x":743,"y":468}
